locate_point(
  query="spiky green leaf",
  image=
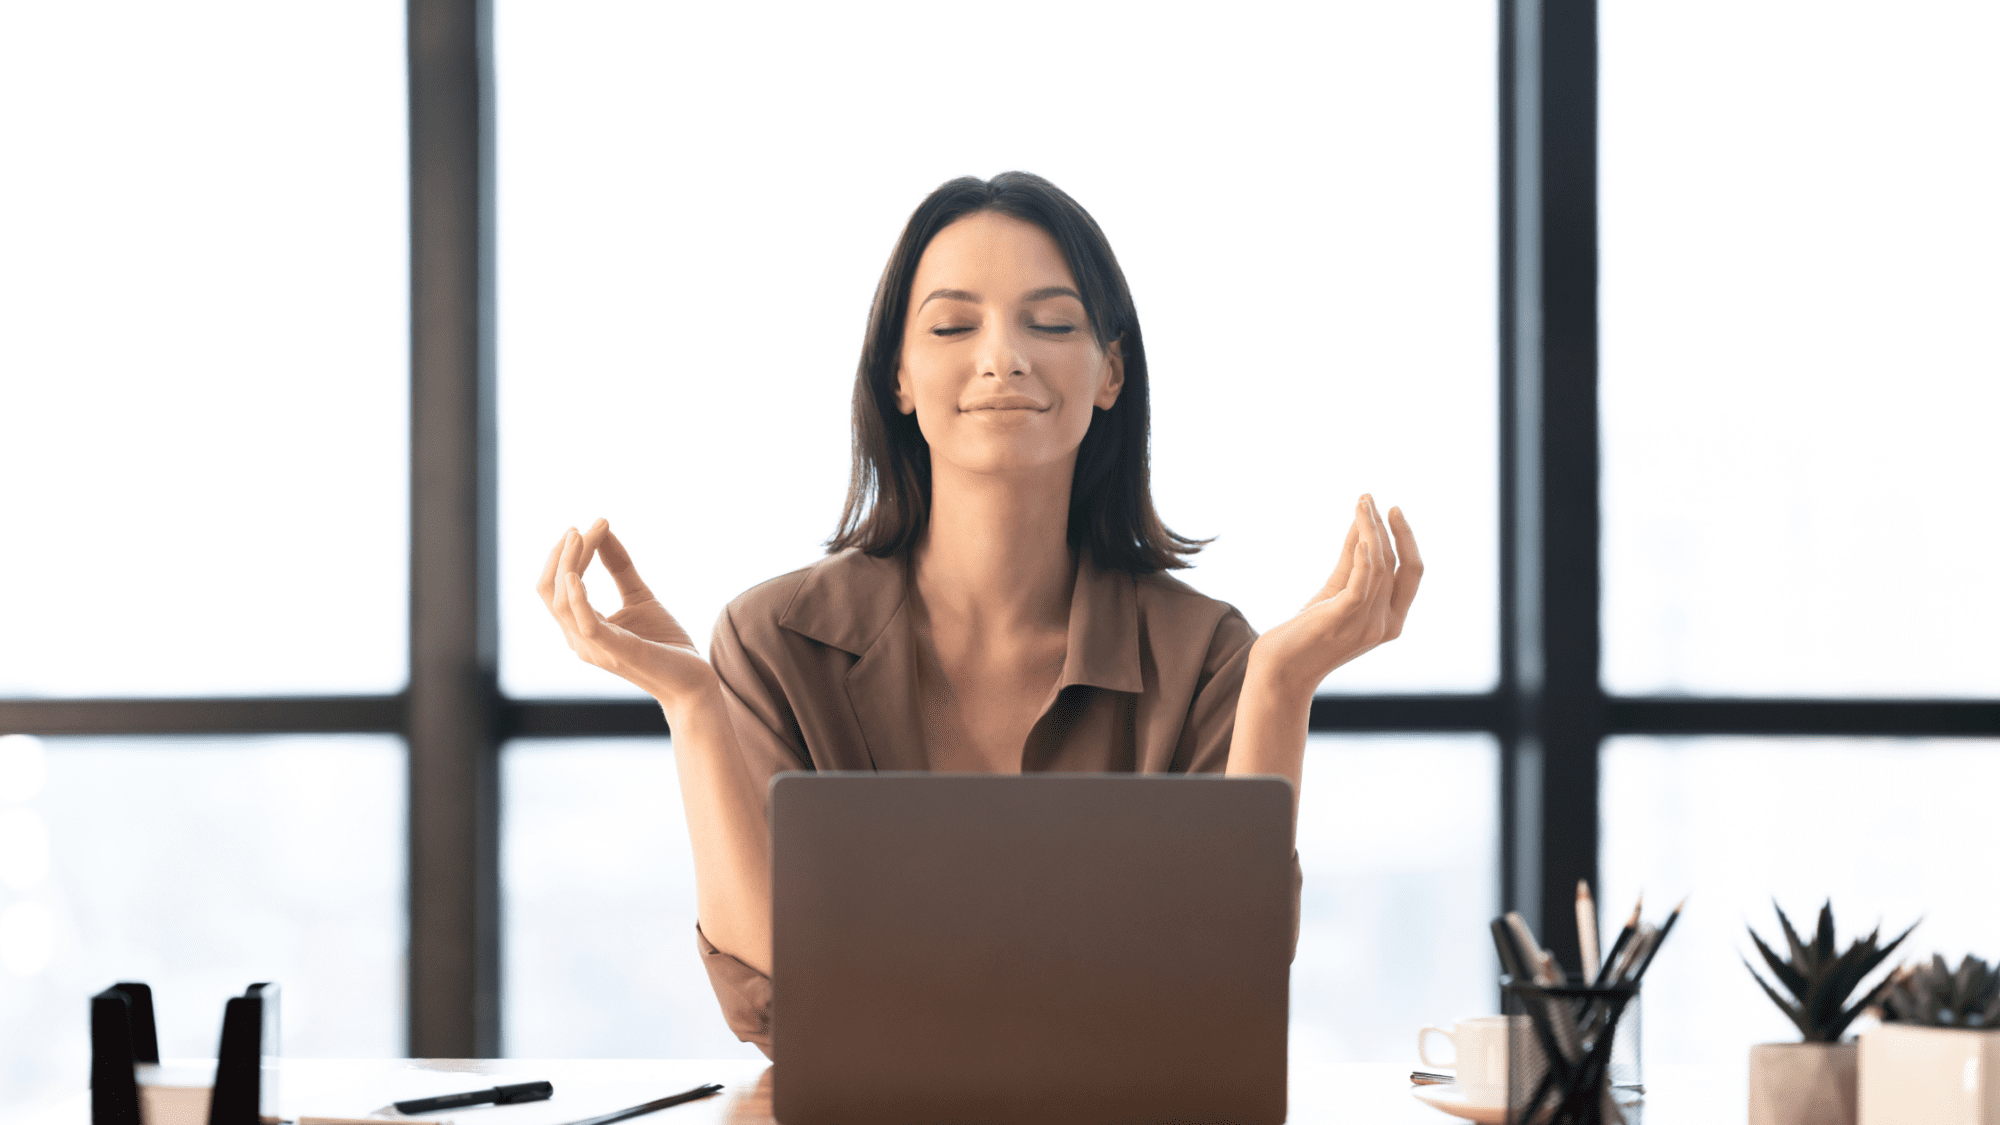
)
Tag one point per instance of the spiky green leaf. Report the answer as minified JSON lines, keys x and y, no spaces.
{"x":1939,"y":996}
{"x":1792,"y":1011}
{"x":1869,"y":999}
{"x":1846,"y":975}
{"x":1788,"y":976}
{"x":1824,"y":978}
{"x":1801,"y":957}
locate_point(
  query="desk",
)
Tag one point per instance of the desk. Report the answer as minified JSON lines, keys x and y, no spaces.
{"x":1337,"y":1092}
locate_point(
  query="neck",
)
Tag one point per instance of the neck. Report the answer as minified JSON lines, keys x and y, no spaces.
{"x":994,"y":555}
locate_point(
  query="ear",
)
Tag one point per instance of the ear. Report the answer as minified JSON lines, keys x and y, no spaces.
{"x":1114,"y":378}
{"x":906,"y":397}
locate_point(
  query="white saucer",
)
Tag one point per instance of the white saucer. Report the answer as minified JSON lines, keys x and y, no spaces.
{"x":1451,"y":1099}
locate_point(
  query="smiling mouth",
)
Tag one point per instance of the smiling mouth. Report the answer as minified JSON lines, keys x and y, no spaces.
{"x":1008,"y":402}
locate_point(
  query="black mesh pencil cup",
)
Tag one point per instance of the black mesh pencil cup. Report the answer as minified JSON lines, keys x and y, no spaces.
{"x":1572,"y":1054}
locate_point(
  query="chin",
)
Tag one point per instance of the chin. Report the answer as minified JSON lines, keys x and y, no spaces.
{"x":1002,"y":459}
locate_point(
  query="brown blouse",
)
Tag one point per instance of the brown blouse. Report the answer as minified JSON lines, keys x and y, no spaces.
{"x":820,"y":670}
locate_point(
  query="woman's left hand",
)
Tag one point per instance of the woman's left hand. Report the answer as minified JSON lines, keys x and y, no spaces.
{"x":1362,"y":605}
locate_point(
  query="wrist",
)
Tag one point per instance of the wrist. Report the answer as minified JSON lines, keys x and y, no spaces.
{"x":1275,"y":681}
{"x":688,"y":709}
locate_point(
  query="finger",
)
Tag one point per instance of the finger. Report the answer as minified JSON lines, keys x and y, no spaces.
{"x":575,"y":557}
{"x":587,"y":545}
{"x":566,"y":563}
{"x":1342,"y":567}
{"x":546,"y":585}
{"x":565,"y":569}
{"x":1383,"y":591}
{"x":1409,"y":569}
{"x":1366,"y":576}
{"x":618,"y":561}
{"x":591,"y":539}
{"x":1384,"y":550}
{"x":1385,"y":559}
{"x":582,"y":616}
{"x":1367,"y":551}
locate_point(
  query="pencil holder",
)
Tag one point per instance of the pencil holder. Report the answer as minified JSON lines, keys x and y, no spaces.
{"x":1573,"y":1054}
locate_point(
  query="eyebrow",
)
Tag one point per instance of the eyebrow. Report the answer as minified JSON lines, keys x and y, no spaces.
{"x":1042,"y":294}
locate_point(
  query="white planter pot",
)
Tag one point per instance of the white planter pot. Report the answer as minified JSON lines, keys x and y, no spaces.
{"x":1929,"y":1076}
{"x":1802,"y":1084}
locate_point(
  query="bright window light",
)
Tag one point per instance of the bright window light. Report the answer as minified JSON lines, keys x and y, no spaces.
{"x":695,"y":204}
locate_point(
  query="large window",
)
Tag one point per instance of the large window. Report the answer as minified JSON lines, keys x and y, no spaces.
{"x":203,"y":493}
{"x":1799,"y":369}
{"x":1799,"y":379}
{"x":202,"y":330}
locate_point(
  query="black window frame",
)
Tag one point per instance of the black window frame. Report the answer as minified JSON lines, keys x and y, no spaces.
{"x":1548,"y":712}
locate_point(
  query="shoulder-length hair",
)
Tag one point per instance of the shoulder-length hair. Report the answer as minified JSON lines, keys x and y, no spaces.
{"x":1110,"y":502}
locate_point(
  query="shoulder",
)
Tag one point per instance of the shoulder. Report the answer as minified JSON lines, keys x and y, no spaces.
{"x":1167,"y":601}
{"x":1186,"y":629}
{"x":767,"y":600}
{"x":843,"y":600}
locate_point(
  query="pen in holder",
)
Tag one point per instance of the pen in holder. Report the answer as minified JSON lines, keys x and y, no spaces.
{"x":1573,"y":1056}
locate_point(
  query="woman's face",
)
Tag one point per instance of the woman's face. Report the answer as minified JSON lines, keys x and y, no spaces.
{"x":999,"y":364}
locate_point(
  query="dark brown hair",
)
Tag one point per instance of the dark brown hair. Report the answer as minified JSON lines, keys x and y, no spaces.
{"x":1110,"y":501}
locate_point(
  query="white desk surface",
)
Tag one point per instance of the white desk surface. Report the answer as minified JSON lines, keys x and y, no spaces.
{"x":1335,"y":1092}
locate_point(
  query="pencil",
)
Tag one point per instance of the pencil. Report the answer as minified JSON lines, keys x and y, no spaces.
{"x":1537,"y":961}
{"x":1586,"y":930}
{"x":1621,"y":972}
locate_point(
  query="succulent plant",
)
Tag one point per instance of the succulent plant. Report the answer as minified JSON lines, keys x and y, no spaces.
{"x":1934,"y":996}
{"x":1821,"y":980}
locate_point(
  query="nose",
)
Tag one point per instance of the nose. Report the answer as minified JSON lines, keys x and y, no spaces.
{"x":1001,"y":355}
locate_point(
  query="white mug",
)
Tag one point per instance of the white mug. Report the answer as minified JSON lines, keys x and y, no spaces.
{"x":1479,"y":1054}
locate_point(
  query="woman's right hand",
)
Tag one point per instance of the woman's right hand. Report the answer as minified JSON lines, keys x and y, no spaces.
{"x":641,"y":642}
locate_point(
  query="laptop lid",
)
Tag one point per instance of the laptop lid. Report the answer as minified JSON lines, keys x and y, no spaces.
{"x":1047,"y":947}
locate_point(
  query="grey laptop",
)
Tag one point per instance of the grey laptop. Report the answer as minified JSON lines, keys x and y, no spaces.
{"x":1046,"y":948}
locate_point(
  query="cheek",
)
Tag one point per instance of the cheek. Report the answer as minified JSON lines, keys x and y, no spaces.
{"x":1080,"y":381}
{"x":931,"y":393}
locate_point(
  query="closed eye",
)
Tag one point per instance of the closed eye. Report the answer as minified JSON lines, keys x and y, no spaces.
{"x":949,"y":331}
{"x":1054,"y":329}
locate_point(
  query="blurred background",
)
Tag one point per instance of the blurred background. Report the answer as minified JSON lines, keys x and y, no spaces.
{"x":206,"y":445}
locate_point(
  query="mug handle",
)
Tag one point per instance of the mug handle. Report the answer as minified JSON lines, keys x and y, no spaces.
{"x":1425,"y":1055}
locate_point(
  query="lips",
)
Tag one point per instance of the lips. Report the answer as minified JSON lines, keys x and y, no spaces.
{"x":1005,"y":402}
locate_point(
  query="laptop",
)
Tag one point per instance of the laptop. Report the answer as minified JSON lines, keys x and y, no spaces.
{"x":969,"y":949}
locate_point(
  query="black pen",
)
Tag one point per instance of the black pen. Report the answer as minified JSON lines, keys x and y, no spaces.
{"x":1665,"y":928}
{"x":694,"y":1095}
{"x":498,"y":1095}
{"x":1513,"y":959}
{"x":1625,"y":936}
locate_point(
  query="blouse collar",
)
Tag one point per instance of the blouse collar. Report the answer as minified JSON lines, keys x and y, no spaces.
{"x":850,"y":600}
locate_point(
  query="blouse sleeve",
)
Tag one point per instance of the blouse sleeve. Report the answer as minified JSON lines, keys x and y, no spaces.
{"x":1212,"y":719}
{"x":770,"y":741}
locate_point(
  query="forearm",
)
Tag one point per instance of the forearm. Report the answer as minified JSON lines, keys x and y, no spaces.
{"x":725,"y":819}
{"x":1270,"y":732}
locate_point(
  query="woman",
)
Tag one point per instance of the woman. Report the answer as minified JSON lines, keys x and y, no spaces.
{"x":994,"y":599}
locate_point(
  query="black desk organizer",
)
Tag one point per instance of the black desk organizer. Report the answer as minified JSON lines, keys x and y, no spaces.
{"x":123,"y":1035}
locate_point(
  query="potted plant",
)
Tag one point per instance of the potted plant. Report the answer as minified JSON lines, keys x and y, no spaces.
{"x":1812,"y":1082}
{"x":1935,"y":1059}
